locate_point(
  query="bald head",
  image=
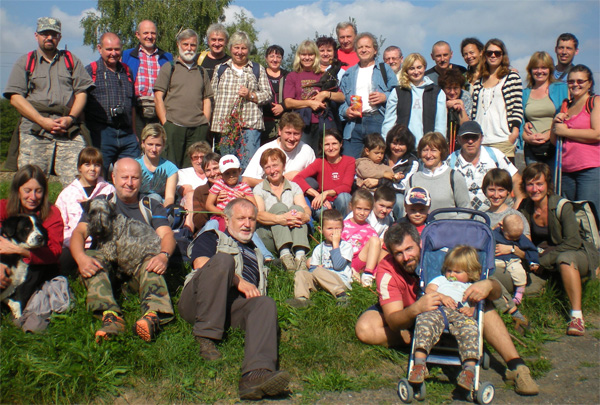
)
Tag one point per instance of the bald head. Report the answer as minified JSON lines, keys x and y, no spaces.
{"x":127,"y":178}
{"x":109,"y":48}
{"x":146,"y":34}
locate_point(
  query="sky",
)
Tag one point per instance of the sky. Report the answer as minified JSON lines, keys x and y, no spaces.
{"x":525,"y":26}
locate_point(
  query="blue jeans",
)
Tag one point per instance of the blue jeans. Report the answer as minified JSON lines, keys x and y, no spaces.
{"x":363,"y":127}
{"x":245,"y":152}
{"x":114,"y":143}
{"x":582,"y":185}
{"x":531,"y":158}
{"x":341,"y":203}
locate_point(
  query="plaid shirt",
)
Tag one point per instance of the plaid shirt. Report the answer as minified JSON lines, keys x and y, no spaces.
{"x":226,"y":94}
{"x":147,"y":73}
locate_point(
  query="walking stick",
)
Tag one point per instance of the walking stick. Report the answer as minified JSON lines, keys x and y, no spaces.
{"x":558,"y":165}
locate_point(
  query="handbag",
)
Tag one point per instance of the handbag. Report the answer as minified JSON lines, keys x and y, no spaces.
{"x":147,"y":106}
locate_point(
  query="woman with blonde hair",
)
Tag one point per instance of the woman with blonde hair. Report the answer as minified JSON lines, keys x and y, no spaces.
{"x":542,"y":99}
{"x":497,"y":104}
{"x":159,"y":176}
{"x":301,"y":94}
{"x":417,"y":103}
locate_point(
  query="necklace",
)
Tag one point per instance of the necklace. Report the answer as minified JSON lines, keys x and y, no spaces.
{"x":483,"y":99}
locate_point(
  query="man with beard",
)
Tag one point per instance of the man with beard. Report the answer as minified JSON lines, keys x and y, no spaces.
{"x":48,"y":88}
{"x":182,"y":95}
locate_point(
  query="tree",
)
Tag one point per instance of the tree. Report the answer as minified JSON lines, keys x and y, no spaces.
{"x":170,"y":16}
{"x":8,"y":121}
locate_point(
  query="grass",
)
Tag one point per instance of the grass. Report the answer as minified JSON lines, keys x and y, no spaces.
{"x":317,"y":346}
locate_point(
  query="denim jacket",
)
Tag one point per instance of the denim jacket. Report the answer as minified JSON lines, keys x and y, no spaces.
{"x":348,"y":87}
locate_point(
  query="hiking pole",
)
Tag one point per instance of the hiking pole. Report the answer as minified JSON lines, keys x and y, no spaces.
{"x":558,"y":166}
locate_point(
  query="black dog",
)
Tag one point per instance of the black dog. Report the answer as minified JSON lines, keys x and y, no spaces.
{"x":26,"y":231}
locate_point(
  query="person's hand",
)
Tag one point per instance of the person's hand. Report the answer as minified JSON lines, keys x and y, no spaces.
{"x":527,"y":130}
{"x":316,"y":202}
{"x":88,"y":266}
{"x":448,"y":301}
{"x":315,"y":105}
{"x":5,"y":273}
{"x":538,"y":138}
{"x":429,"y":302}
{"x":467,"y":311}
{"x":398,"y":176}
{"x":248,"y":289}
{"x":561,"y":129}
{"x":157,"y":264}
{"x":49,"y":125}
{"x":336,"y":238}
{"x":377,"y":98}
{"x":478,"y":291}
{"x":351,"y":113}
{"x":277,"y":109}
{"x":222,"y":196}
{"x":534,"y":267}
{"x":503,"y":249}
{"x":457,"y":105}
{"x":560,"y":118}
{"x":291,"y":219}
{"x":321,"y":96}
{"x":238,"y":194}
{"x":9,"y":248}
{"x":243,"y":92}
{"x":371,"y":183}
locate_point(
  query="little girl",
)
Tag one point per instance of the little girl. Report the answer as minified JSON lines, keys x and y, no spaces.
{"x":369,"y":168}
{"x":365,"y":242}
{"x":461,"y":268}
{"x":87,"y":185}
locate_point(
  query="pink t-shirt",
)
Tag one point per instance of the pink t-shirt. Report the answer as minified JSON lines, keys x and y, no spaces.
{"x":220,"y":185}
{"x":357,"y":235}
{"x":578,"y":155}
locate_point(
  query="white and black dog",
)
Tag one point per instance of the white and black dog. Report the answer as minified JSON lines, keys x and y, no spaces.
{"x":121,"y":240}
{"x":26,"y":231}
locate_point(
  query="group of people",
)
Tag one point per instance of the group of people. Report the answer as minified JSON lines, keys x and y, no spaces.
{"x":364,"y":148}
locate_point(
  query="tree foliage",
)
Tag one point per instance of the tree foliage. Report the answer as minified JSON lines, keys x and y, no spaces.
{"x":170,"y":16}
{"x":8,"y":121}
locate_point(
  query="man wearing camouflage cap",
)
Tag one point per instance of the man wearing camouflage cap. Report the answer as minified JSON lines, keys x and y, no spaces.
{"x":48,"y":88}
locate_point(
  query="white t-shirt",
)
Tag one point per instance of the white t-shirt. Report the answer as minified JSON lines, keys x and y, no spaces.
{"x":189,"y":177}
{"x":492,"y":115}
{"x":364,"y":87}
{"x":297,"y":160}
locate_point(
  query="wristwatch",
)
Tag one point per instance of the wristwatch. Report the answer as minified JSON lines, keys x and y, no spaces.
{"x":252,"y":96}
{"x":166,"y":254}
{"x":512,"y":249}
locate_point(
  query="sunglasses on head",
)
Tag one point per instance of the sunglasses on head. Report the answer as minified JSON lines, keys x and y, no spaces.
{"x":497,"y":54}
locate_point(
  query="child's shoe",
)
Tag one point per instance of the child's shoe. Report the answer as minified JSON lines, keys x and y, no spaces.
{"x":289,"y":262}
{"x":465,"y":379}
{"x":300,"y":302}
{"x":418,"y":374}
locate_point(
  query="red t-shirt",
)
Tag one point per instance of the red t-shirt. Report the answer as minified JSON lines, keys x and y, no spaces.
{"x":394,"y":284}
{"x":351,"y":58}
{"x":338,"y":177}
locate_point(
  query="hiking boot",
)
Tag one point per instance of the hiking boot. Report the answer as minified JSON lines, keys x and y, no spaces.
{"x":418,"y":374}
{"x":299,"y":302}
{"x":147,"y":326}
{"x":112,"y":324}
{"x":342,"y":301}
{"x":301,"y":264}
{"x":521,"y":378}
{"x":289,"y":263}
{"x":576,"y":327}
{"x":465,"y":379}
{"x":259,"y":383}
{"x":208,"y":349}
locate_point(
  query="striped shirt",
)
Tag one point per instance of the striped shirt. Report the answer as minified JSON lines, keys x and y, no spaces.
{"x":147,"y":73}
{"x":512,"y":91}
{"x":220,"y":185}
{"x":225,"y":89}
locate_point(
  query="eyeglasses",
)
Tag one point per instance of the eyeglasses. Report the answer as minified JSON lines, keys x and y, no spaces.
{"x":497,"y":54}
{"x":197,"y":157}
{"x":390,"y":59}
{"x":578,"y":82}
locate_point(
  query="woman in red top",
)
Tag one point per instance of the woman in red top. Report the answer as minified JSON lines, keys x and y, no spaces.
{"x":328,"y":183}
{"x":29,"y":195}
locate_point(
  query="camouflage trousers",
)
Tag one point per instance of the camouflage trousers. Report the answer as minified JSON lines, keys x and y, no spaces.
{"x":50,"y":153}
{"x":430,"y":326}
{"x":151,"y":287}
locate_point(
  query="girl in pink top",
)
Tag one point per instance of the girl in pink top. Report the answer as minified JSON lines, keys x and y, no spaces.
{"x":363,"y":238}
{"x":579,"y":126}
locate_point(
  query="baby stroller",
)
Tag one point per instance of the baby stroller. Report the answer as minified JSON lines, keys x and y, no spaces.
{"x":438,"y":237}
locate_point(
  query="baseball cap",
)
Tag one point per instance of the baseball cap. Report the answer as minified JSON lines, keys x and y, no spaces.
{"x":48,"y":24}
{"x":228,"y":162}
{"x":417,"y":195}
{"x":470,"y":127}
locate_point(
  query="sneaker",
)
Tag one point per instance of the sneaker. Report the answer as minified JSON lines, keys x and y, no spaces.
{"x":289,"y":263}
{"x":342,"y":301}
{"x":147,"y":326}
{"x":262,"y":382}
{"x":301,"y":264}
{"x":299,"y":302}
{"x":208,"y":349}
{"x":366,"y":279}
{"x":465,"y":379}
{"x":521,"y":378}
{"x":112,"y":324}
{"x":576,"y":327}
{"x":418,"y":374}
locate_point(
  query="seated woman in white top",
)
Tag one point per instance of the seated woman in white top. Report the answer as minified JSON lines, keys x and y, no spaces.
{"x":192,"y":177}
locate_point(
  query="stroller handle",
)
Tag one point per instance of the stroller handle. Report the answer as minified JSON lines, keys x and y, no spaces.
{"x":473,"y":213}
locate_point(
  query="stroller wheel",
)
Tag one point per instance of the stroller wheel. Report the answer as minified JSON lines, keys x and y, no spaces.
{"x":485,"y":394}
{"x":421,"y":394}
{"x":405,"y":391}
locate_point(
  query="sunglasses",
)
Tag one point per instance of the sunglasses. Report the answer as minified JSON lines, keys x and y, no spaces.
{"x":578,"y":82}
{"x":470,"y":137}
{"x":497,"y":54}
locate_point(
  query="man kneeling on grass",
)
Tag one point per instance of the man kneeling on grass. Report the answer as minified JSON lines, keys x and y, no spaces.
{"x":228,"y":287}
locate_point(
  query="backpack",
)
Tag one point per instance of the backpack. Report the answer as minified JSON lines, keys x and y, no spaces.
{"x":94,"y":66}
{"x":586,"y":217}
{"x":490,"y":151}
{"x":200,"y":68}
{"x":224,"y":66}
{"x":32,"y":59}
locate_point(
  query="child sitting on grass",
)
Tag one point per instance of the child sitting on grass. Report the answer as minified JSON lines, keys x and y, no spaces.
{"x":510,"y":233}
{"x":380,"y":217}
{"x":369,"y":168}
{"x":329,"y":266}
{"x":416,"y":207}
{"x":363,"y":238}
{"x":461,"y":268}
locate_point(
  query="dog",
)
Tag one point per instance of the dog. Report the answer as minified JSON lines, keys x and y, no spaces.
{"x":26,"y":231}
{"x":121,"y":240}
